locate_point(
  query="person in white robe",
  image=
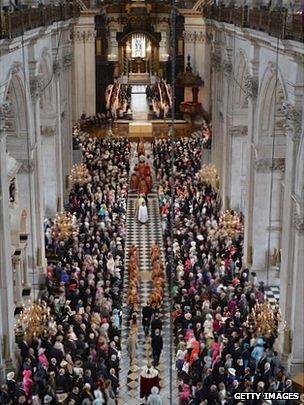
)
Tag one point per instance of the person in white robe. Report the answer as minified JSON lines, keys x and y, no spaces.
{"x":143,"y":213}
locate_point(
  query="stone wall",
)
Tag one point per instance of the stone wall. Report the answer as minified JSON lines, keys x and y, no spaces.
{"x":257,"y":115}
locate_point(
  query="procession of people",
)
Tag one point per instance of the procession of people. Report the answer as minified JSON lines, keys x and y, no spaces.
{"x":76,"y":360}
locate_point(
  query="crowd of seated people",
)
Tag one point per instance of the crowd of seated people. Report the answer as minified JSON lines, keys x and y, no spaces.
{"x":159,"y":98}
{"x":118,"y":100}
{"x":100,"y":120}
{"x":217,"y":353}
{"x":75,"y":361}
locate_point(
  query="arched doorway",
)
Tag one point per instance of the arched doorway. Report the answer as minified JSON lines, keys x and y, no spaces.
{"x":139,"y":57}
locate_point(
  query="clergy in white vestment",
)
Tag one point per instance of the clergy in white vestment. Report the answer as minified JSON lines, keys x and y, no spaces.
{"x":143,"y":213}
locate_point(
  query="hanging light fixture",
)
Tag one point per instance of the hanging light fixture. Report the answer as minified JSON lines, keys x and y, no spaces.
{"x":64,"y":226}
{"x":80,"y":174}
{"x":209,"y":175}
{"x":264,"y":319}
{"x":32,"y":320}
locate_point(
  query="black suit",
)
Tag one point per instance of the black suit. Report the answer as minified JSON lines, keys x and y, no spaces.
{"x":156,"y":324}
{"x":157,"y":347}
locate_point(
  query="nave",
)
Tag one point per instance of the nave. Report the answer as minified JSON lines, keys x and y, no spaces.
{"x":144,"y":237}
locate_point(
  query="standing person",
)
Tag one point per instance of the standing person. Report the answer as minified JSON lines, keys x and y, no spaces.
{"x":143,"y":213}
{"x":132,"y":345}
{"x":148,"y":379}
{"x":147,"y":313}
{"x":138,"y":204}
{"x":157,"y":347}
{"x":154,"y":398}
{"x":156,"y":324}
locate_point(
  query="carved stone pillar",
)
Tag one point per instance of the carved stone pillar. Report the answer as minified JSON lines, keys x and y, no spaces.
{"x":266,"y":223}
{"x":18,"y":281}
{"x":239,"y":145}
{"x":7,"y":338}
{"x":227,"y":122}
{"x":26,"y":284}
{"x":84,"y":65}
{"x":51,"y":164}
{"x":37,"y":85}
{"x":251,"y":88}
{"x":297,"y":299}
{"x":291,"y":274}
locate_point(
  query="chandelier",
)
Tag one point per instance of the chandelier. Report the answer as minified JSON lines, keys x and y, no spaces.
{"x":33,"y":320}
{"x":230,"y":224}
{"x":80,"y":174}
{"x":209,"y":175}
{"x":264,"y":319}
{"x":64,"y":226}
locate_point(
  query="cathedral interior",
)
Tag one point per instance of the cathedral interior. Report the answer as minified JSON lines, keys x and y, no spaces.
{"x":151,"y":201}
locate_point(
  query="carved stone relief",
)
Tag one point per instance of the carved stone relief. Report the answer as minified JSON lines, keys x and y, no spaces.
{"x":251,"y":87}
{"x":293,"y":119}
{"x":267,"y":164}
{"x":37,"y":84}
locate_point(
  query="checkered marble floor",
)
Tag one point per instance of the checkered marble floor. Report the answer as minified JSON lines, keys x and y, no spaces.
{"x":273,"y":294}
{"x":144,"y":236}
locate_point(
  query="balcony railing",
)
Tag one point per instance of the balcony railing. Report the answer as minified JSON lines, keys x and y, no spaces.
{"x":15,"y":23}
{"x":279,"y":24}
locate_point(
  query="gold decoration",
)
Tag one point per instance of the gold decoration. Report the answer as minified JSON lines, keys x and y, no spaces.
{"x":33,"y":320}
{"x":264,"y":319}
{"x":209,"y":175}
{"x":64,"y":226}
{"x":80,"y":174}
{"x":230,"y":224}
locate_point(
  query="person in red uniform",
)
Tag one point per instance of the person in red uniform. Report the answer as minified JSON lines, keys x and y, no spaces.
{"x":148,"y":379}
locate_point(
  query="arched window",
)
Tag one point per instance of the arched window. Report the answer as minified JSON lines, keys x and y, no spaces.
{"x":138,"y":46}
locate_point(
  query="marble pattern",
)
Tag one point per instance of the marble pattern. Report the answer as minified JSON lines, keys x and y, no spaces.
{"x":144,"y":236}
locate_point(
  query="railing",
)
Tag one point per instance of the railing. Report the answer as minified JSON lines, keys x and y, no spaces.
{"x":15,"y":23}
{"x":279,"y":24}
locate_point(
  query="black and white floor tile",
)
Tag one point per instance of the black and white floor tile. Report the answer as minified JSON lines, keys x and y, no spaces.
{"x":144,"y":236}
{"x":273,"y":294}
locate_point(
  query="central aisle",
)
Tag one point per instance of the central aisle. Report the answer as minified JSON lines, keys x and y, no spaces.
{"x":139,"y":104}
{"x":143,"y":236}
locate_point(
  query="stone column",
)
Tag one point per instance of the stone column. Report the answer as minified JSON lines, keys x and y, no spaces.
{"x":7,"y":338}
{"x":37,"y":86}
{"x":297,"y":314}
{"x":291,"y":274}
{"x":84,"y":65}
{"x":217,"y":114}
{"x":58,"y":144}
{"x":197,"y":45}
{"x":239,"y":146}
{"x":261,"y":224}
{"x":51,"y":192}
{"x":226,"y":151}
{"x":251,"y":94}
{"x":26,"y":284}
{"x":66,"y":122}
{"x":18,"y":281}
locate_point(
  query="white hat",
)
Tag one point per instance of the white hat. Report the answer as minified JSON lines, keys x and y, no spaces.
{"x":47,"y":399}
{"x":231,"y":371}
{"x":10,"y":376}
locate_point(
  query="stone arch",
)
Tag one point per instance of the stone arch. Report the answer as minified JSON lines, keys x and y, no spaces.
{"x":46,"y":70}
{"x":15,"y":96}
{"x":272,"y":95}
{"x":240,"y":73}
